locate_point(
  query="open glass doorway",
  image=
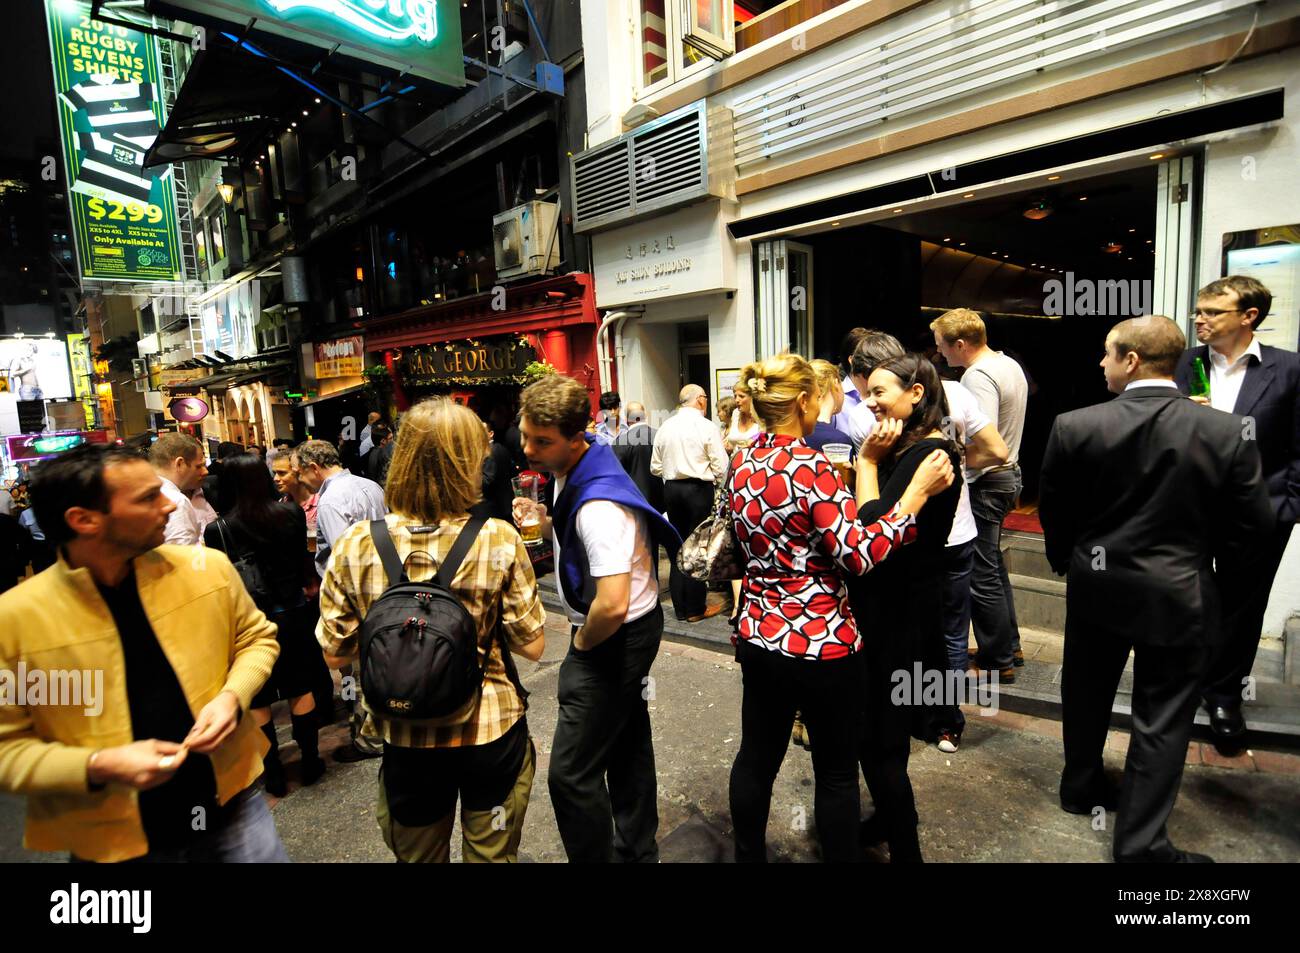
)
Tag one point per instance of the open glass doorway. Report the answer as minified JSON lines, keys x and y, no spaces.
{"x":1051,"y":267}
{"x":783,"y":280}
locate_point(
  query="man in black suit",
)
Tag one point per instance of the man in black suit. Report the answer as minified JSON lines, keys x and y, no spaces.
{"x":1140,"y":496}
{"x":1262,"y":384}
{"x":633,"y":447}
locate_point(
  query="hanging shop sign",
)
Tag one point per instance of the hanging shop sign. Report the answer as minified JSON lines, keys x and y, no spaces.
{"x":467,"y":362}
{"x":188,"y":410}
{"x":416,"y":37}
{"x":342,"y":357}
{"x":106,"y":78}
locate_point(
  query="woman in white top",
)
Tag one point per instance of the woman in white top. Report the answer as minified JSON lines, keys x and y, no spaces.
{"x":745,"y":425}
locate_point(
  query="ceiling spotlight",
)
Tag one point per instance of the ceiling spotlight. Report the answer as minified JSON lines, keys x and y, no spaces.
{"x":969,"y":195}
{"x":947,"y":239}
{"x":835,"y":224}
{"x":318,"y":99}
{"x":1132,"y":230}
{"x":1053,"y":178}
{"x":897,"y":210}
{"x":293,"y":125}
{"x":962,"y":245}
{"x":1038,"y":210}
{"x":304,"y":112}
{"x":1083,"y":198}
{"x":1158,"y":155}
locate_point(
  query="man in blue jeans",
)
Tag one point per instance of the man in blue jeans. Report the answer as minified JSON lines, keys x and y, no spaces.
{"x":1000,"y":387}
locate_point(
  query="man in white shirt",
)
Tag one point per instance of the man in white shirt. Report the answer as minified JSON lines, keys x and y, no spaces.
{"x":1002,"y":390}
{"x":366,"y":439}
{"x":689,"y":457}
{"x":852,"y":397}
{"x":602,"y":771}
{"x":1262,"y":385}
{"x":177,"y":458}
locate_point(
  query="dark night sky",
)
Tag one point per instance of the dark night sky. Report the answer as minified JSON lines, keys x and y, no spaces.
{"x":28,"y":111}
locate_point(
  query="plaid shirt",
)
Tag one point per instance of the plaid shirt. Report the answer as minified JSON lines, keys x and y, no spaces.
{"x":495,"y":580}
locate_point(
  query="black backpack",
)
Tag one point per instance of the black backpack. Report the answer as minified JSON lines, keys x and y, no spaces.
{"x":419,"y":644}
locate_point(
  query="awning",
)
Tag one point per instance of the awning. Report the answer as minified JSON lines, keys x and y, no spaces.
{"x":225,"y":380}
{"x":355,"y":389}
{"x":549,"y":304}
{"x":228,"y":105}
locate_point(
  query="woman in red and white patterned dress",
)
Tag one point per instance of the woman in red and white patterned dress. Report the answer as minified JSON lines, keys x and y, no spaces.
{"x":798,"y":644}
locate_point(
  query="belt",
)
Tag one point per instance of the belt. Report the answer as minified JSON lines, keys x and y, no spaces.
{"x":1000,"y":468}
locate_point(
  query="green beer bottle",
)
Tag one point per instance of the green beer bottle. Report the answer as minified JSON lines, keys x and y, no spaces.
{"x":1200,"y":379}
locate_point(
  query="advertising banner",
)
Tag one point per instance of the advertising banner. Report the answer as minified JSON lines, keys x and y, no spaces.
{"x":34,"y":370}
{"x":82,"y":369}
{"x":110,"y":112}
{"x":342,"y":357}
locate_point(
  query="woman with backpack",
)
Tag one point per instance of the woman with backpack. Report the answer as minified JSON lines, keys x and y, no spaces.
{"x":266,"y":540}
{"x":452,"y":569}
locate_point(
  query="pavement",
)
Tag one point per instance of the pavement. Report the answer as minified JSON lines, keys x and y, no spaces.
{"x":994,"y":800}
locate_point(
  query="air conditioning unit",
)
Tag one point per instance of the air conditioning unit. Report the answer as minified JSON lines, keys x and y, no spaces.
{"x":679,"y":159}
{"x":522,"y":237}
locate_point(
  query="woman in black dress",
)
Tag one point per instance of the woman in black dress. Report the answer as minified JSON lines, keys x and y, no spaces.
{"x":271,"y":536}
{"x":898,"y":606}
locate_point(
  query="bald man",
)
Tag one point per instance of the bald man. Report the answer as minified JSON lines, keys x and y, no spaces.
{"x":1154,"y":509}
{"x":688,"y":456}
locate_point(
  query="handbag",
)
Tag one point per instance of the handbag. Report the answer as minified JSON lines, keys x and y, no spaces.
{"x":250,"y":571}
{"x":712,"y":553}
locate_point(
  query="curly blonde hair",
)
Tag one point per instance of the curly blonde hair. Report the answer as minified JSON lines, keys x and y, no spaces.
{"x":774,"y":385}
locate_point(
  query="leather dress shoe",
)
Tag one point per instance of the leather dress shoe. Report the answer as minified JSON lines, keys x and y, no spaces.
{"x":1227,"y":722}
{"x":708,"y":613}
{"x":1108,"y":800}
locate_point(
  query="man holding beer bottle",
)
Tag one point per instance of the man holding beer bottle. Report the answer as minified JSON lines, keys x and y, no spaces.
{"x":1233,"y":372}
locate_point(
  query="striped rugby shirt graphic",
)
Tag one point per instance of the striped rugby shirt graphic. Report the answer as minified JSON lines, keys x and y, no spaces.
{"x":124,"y":125}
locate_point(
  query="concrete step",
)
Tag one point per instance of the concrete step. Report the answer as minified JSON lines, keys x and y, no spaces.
{"x":1040,"y":603}
{"x":1025,"y":555}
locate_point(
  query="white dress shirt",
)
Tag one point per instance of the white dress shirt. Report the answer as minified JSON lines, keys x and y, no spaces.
{"x":1157,"y":382}
{"x":689,"y":447}
{"x":1226,"y":379}
{"x":183,"y":525}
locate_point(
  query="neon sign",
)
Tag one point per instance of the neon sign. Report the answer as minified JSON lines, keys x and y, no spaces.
{"x":393,"y":20}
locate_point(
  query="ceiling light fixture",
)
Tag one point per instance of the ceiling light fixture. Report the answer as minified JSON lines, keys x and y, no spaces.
{"x":1038,"y":210}
{"x":969,"y":195}
{"x":1158,"y":155}
{"x":1053,"y":178}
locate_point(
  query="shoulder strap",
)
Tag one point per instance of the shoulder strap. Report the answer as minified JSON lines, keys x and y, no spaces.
{"x":508,"y":660}
{"x":450,"y":565}
{"x":394,"y":568}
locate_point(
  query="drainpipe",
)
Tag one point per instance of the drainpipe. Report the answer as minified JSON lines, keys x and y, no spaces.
{"x":602,"y":348}
{"x":619,"y":353}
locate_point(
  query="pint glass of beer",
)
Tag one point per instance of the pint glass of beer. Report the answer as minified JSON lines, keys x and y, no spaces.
{"x":527,"y":486}
{"x":839,"y":455}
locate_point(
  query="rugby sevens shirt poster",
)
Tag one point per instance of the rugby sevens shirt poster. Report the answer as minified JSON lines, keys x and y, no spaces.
{"x":110,"y":112}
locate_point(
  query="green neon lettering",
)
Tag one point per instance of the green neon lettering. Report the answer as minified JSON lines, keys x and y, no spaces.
{"x":393,"y":20}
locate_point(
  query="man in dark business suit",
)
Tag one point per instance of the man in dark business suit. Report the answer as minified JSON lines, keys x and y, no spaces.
{"x":1140,"y":496}
{"x":1262,"y":384}
{"x":634,"y":446}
